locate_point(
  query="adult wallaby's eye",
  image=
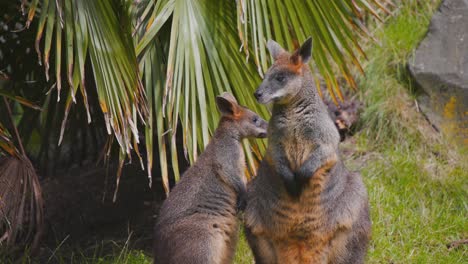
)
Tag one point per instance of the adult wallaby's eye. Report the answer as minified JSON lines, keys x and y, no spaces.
{"x":255,"y":119}
{"x":280,"y":78}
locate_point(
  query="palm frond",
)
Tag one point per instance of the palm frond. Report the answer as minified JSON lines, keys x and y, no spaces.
{"x":21,"y":203}
{"x":187,"y":52}
{"x":203,"y":60}
{"x":21,"y":206}
{"x":330,"y":23}
{"x":7,"y":147}
{"x":100,"y":31}
{"x":152,"y":32}
{"x":19,"y":99}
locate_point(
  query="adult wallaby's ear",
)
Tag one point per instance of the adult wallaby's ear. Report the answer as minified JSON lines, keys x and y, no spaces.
{"x":274,"y":48}
{"x":227,"y":104}
{"x":303,"y":54}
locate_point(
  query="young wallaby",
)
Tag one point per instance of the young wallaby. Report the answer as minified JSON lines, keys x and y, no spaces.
{"x":197,"y":223}
{"x":303,"y":206}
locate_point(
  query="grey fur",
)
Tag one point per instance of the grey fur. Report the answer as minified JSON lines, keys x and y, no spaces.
{"x":274,"y":48}
{"x":304,"y":206}
{"x":197,"y":222}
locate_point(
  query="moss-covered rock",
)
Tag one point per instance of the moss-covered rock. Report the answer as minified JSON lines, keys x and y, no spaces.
{"x":440,"y":67}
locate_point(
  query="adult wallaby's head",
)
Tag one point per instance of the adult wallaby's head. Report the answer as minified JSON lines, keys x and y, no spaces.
{"x":245,"y":122}
{"x":285,"y":77}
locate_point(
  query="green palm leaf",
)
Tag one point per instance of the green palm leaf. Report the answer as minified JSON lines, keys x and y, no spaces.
{"x":187,"y":52}
{"x":100,"y":31}
{"x":203,"y":59}
{"x":330,"y":23}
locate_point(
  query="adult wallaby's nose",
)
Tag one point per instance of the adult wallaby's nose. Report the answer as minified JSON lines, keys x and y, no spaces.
{"x":257,"y":95}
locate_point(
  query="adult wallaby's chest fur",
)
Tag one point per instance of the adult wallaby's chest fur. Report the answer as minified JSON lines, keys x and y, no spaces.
{"x":294,"y":130}
{"x":295,"y":134}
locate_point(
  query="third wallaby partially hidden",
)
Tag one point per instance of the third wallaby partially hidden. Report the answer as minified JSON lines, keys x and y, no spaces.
{"x":304,"y":206}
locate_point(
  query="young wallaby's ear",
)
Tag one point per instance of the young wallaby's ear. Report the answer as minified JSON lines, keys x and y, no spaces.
{"x":227,"y":104}
{"x":229,"y":97}
{"x":274,"y":48}
{"x":303,"y":54}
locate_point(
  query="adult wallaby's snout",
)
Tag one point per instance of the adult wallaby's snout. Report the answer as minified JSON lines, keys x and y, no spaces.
{"x":260,"y":95}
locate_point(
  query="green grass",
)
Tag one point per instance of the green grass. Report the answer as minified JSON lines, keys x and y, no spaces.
{"x":414,"y":216}
{"x":243,"y":253}
{"x":104,"y":252}
{"x":124,"y":257}
{"x":417,"y":181}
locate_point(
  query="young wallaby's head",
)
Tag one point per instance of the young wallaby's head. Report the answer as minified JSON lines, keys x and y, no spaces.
{"x":285,"y":77}
{"x":243,"y":121}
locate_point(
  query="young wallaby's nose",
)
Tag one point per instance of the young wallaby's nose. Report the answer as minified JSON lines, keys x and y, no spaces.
{"x":257,"y":95}
{"x":264,"y":127}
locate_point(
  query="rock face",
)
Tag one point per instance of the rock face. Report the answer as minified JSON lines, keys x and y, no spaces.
{"x":440,"y":67}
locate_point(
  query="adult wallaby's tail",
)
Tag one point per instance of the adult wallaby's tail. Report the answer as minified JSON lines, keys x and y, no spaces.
{"x":197,"y":222}
{"x":303,"y":206}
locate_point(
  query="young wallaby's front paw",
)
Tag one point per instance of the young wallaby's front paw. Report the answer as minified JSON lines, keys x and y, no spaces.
{"x":252,"y":222}
{"x":241,"y":203}
{"x":256,"y":230}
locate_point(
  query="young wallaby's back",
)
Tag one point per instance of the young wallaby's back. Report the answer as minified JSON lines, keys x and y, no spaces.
{"x":303,"y":206}
{"x":197,"y":222}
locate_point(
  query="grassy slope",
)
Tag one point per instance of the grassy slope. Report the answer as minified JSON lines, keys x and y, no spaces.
{"x":417,"y":183}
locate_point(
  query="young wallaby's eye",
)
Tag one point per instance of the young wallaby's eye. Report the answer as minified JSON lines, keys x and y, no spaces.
{"x":280,"y":77}
{"x":255,"y":119}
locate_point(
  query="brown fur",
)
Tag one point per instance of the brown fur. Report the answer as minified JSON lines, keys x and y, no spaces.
{"x":197,"y":223}
{"x":303,"y":206}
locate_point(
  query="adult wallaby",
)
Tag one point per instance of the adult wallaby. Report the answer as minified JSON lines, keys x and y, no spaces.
{"x":197,"y":223}
{"x":303,"y":206}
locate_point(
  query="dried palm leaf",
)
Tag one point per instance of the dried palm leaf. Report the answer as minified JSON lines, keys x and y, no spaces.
{"x":21,"y":203}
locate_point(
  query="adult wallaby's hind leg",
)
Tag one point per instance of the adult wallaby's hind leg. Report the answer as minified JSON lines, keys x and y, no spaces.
{"x":262,"y":248}
{"x":356,"y":250}
{"x":356,"y":242}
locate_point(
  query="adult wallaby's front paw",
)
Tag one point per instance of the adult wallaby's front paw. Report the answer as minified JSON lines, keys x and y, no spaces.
{"x":293,"y":188}
{"x":302,"y":176}
{"x":290,"y":183}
